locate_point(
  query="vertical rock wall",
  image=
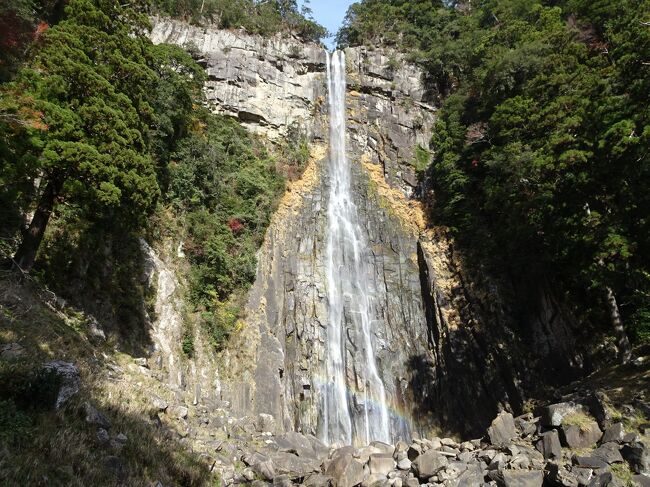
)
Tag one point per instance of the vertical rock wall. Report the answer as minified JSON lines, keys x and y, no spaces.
{"x":450,"y":350}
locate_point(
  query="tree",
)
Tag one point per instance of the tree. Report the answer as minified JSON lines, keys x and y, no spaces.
{"x":89,"y":83}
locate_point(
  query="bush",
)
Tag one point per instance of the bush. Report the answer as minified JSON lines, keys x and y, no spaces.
{"x":14,"y":424}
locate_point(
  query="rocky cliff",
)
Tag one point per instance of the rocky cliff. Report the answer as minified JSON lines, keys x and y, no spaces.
{"x":448,"y":339}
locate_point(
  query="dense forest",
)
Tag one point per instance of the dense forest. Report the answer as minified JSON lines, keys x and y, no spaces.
{"x":104,"y":139}
{"x":542,"y":160}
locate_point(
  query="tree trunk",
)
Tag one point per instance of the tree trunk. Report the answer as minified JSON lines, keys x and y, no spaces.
{"x":624,"y":348}
{"x":32,"y":237}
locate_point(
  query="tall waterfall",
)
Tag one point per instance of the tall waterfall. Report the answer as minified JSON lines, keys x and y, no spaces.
{"x":352,"y":411}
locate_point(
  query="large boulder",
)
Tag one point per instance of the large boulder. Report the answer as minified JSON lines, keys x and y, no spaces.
{"x":297,"y":443}
{"x":502,"y":429}
{"x":608,"y":452}
{"x":638,"y":456}
{"x":345,"y":470}
{"x":554,"y":414}
{"x":429,"y":463}
{"x":523,"y":478}
{"x":583,"y":435}
{"x":615,"y":432}
{"x":381,"y":463}
{"x":294,"y":466}
{"x":67,"y":377}
{"x":549,"y":445}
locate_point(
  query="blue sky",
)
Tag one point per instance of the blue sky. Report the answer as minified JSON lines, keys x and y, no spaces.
{"x":330,"y":13}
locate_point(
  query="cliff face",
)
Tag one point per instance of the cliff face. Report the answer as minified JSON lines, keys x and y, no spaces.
{"x":449,"y":347}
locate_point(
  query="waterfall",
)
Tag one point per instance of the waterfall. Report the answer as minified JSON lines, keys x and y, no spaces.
{"x":350,"y":413}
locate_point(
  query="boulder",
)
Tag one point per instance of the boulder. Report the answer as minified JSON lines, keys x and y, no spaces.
{"x":286,"y":463}
{"x":68,"y":379}
{"x":584,"y":435}
{"x":554,"y":414}
{"x":102,"y":436}
{"x":502,"y":429}
{"x":159,"y":403}
{"x":615,"y":432}
{"x":589,"y":462}
{"x":316,"y":480}
{"x":381,"y":463}
{"x":414,"y":451}
{"x":297,"y":443}
{"x":142,"y":362}
{"x":412,"y":482}
{"x":265,"y":469}
{"x":641,"y":480}
{"x":429,"y":463}
{"x":94,"y":417}
{"x":602,"y":480}
{"x":374,"y":480}
{"x":549,"y":445}
{"x":560,"y":476}
{"x":345,"y":470}
{"x":638,"y":456}
{"x":282,"y":481}
{"x":471,"y":477}
{"x":383,"y":447}
{"x":608,"y":452}
{"x":404,"y":464}
{"x":523,"y":478}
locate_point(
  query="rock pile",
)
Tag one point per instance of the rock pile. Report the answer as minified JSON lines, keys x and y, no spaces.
{"x":563,"y":447}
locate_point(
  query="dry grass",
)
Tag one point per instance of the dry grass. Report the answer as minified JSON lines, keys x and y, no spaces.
{"x":60,"y":448}
{"x":410,"y":213}
{"x":579,"y":419}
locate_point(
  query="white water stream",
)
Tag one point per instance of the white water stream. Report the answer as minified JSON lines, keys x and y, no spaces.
{"x":352,"y":413}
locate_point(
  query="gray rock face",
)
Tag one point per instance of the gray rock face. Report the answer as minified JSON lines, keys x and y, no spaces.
{"x":268,"y":84}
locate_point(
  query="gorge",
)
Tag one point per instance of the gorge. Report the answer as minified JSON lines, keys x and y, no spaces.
{"x":231,"y":256}
{"x":437,"y":329}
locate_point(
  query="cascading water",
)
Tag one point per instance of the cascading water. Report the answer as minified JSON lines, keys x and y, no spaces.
{"x":349,"y":414}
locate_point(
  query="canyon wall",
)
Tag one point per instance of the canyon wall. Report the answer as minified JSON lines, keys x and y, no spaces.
{"x":451,"y":349}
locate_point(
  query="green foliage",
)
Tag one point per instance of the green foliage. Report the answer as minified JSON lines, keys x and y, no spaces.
{"x":225,"y":185}
{"x":187,"y":344}
{"x":422,"y":159}
{"x":27,"y":387}
{"x":114,"y":122}
{"x":541,"y":160}
{"x":14,"y":424}
{"x":266,"y":18}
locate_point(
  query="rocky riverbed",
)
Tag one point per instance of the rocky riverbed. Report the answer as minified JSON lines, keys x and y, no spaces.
{"x":567,"y":445}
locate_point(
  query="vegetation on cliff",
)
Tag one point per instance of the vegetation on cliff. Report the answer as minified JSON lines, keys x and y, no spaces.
{"x":265,"y":18}
{"x":102,"y":137}
{"x":541,"y":162}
